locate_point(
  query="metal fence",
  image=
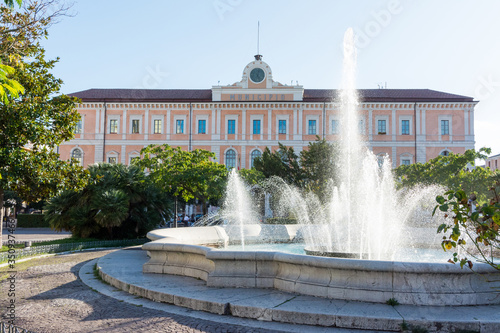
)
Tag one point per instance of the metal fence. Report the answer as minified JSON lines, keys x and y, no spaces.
{"x":55,"y":248}
{"x":8,"y":328}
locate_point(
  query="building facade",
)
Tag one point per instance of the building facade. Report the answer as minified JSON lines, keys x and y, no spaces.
{"x":237,"y":122}
{"x":493,"y":162}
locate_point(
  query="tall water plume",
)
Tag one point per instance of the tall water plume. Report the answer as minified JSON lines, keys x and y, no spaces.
{"x":364,"y":205}
{"x":238,"y":209}
{"x":365,"y":214}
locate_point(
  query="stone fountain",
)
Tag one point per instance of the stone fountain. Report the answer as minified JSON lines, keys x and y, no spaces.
{"x":363,"y":223}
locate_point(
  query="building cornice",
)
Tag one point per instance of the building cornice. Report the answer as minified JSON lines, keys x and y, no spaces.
{"x":276,"y":105}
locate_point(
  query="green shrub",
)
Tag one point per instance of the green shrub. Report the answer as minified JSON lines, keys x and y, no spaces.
{"x":31,"y":221}
{"x":281,"y":220}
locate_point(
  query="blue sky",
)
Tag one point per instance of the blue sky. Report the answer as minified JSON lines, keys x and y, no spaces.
{"x":446,"y":45}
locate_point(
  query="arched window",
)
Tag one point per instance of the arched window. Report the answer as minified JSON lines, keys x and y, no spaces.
{"x":445,"y":153}
{"x":230,"y":159}
{"x":77,"y":154}
{"x":255,"y":153}
{"x":381,"y":159}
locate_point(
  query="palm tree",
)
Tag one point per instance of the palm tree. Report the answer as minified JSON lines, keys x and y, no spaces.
{"x":118,"y":201}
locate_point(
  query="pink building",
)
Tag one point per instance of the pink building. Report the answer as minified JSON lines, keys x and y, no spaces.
{"x":493,"y":162}
{"x":238,"y":121}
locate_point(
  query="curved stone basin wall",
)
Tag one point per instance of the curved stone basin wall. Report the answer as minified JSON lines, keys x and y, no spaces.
{"x":347,"y":279}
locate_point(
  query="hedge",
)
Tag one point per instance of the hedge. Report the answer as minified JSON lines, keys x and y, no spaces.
{"x":31,"y":221}
{"x":281,"y":220}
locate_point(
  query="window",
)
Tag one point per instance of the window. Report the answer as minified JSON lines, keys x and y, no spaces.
{"x":282,"y":127}
{"x":113,"y":126}
{"x":256,"y":127}
{"x":202,"y":126}
{"x":312,"y":127}
{"x":231,"y":126}
{"x":445,"y":127}
{"x":77,"y":154}
{"x":134,"y":159}
{"x":381,"y":127}
{"x":361,"y":127}
{"x":445,"y":152}
{"x":335,"y":126}
{"x":157,"y":126}
{"x":380,"y":161}
{"x":230,"y":159}
{"x":405,"y":162}
{"x":256,"y":153}
{"x":179,"y":126}
{"x":405,"y":127}
{"x":135,"y":126}
{"x":78,"y":127}
{"x":112,"y":160}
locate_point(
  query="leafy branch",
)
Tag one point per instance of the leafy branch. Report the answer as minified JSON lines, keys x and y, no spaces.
{"x":480,"y":226}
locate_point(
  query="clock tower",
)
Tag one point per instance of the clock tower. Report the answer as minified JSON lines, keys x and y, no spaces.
{"x":257,"y":84}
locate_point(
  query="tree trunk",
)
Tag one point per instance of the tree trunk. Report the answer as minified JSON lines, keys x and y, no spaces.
{"x":1,"y":211}
{"x":205,"y":207}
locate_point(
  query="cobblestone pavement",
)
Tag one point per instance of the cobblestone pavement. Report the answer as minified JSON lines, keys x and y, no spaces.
{"x":51,"y":298}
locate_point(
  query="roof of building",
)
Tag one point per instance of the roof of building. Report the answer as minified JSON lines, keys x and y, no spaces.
{"x":492,"y":157}
{"x":310,"y":95}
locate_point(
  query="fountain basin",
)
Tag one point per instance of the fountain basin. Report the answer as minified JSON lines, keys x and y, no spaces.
{"x":323,"y":252}
{"x":438,"y":284}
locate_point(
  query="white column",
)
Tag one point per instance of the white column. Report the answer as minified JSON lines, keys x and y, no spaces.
{"x":102,"y":123}
{"x":225,"y":132}
{"x":214,"y":124}
{"x":424,"y":133}
{"x":146,"y":125}
{"x":269,"y":123}
{"x":216,"y":151}
{"x":288,"y":128}
{"x":243,"y":124}
{"x":417,"y":124}
{"x":394,"y":125}
{"x":300,"y":123}
{"x":124,"y":128}
{"x":394,"y":157}
{"x":296,"y":135}
{"x":370,"y":125}
{"x":219,"y":121}
{"x":97,"y":123}
{"x":472,"y":122}
{"x":243,"y":157}
{"x":169,"y":128}
{"x":163,"y":124}
{"x":124,"y":153}
{"x":466,"y":123}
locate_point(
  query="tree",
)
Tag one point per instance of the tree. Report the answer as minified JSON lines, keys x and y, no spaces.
{"x":19,"y":33}
{"x":454,"y":172}
{"x":118,"y":201}
{"x":10,"y":3}
{"x":468,"y":224}
{"x":251,"y":176}
{"x":318,"y":164}
{"x":283,"y":163}
{"x":185,"y":174}
{"x":31,"y":126}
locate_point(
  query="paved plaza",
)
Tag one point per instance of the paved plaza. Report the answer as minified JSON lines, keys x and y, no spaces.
{"x":50,"y":297}
{"x":61,"y":294}
{"x":35,"y":234}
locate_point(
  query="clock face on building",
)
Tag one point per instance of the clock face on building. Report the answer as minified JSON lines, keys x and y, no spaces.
{"x":257,"y":75}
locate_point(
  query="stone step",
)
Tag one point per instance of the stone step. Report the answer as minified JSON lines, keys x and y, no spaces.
{"x":123,"y":270}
